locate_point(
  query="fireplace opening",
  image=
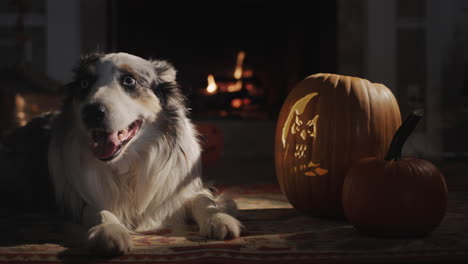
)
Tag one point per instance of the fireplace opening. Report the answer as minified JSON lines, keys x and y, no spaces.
{"x":235,"y":59}
{"x":238,"y":95}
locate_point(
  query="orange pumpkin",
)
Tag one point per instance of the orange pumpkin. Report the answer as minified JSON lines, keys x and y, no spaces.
{"x":395,"y":197}
{"x":326,"y":123}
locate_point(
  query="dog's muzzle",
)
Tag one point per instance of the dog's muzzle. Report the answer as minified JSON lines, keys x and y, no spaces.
{"x":107,"y":145}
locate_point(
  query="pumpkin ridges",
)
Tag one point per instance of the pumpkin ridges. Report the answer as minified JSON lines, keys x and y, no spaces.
{"x":355,"y":100}
{"x":376,"y":118}
{"x":323,"y":89}
{"x":381,"y":125}
{"x":326,"y":88}
{"x":334,"y":153}
{"x":381,"y":121}
{"x":396,"y":121}
{"x":386,"y":116}
{"x":304,"y":181}
{"x":369,"y":108}
{"x":334,"y":90}
{"x":372,"y":112}
{"x":345,"y":89}
{"x":393,"y":117}
{"x":346,"y":85}
{"x":333,"y":140}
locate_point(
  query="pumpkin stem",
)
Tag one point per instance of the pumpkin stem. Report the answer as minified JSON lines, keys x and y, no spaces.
{"x":402,"y":134}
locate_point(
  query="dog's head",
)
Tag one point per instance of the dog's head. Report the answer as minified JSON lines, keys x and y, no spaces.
{"x":114,"y":95}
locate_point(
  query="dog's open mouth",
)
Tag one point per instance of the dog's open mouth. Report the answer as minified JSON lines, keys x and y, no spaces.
{"x":107,"y":145}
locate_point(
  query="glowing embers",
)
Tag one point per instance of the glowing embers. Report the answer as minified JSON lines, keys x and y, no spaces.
{"x":302,"y":133}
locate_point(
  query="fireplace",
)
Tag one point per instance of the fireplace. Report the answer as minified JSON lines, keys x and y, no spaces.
{"x":236,"y":60}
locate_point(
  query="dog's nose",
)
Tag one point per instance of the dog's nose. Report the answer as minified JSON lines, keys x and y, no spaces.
{"x":93,"y":115}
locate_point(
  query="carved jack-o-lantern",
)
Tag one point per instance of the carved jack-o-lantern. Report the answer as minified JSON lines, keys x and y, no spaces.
{"x":326,"y":123}
{"x":302,"y":132}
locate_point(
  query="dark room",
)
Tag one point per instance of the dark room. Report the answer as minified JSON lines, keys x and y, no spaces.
{"x":330,"y":131}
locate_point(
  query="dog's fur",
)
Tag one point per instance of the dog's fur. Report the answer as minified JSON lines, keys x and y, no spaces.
{"x":156,"y":178}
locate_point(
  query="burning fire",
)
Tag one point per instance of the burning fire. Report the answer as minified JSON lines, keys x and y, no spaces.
{"x":238,"y":93}
{"x":240,"y":61}
{"x":239,"y":72}
{"x":212,"y":87}
{"x":235,"y":87}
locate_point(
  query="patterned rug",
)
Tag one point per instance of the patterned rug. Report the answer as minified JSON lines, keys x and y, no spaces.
{"x":275,"y":233}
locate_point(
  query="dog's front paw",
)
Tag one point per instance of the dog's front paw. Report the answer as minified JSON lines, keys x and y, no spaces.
{"x":109,"y":240}
{"x":221,"y":226}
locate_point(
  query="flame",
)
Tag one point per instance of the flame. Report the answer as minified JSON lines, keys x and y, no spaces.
{"x":212,"y":87}
{"x":240,"y":61}
{"x":235,"y":87}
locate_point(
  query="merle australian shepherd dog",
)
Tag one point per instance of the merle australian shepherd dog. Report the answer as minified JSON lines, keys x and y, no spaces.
{"x":125,"y":158}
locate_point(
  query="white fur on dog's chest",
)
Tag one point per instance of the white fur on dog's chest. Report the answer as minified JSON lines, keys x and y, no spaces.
{"x":142,"y":201}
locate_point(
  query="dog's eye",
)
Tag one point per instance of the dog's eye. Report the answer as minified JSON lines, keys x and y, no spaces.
{"x":128,"y":80}
{"x":84,"y":83}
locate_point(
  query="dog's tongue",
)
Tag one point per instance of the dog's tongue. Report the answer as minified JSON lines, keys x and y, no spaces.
{"x":105,"y":145}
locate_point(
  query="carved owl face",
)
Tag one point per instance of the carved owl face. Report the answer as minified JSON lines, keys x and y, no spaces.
{"x":299,"y":134}
{"x":305,"y":133}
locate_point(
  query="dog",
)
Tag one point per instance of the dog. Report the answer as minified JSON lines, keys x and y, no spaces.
{"x":124,"y":157}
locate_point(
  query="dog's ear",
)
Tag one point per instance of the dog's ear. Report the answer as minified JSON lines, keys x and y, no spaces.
{"x":165,"y":72}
